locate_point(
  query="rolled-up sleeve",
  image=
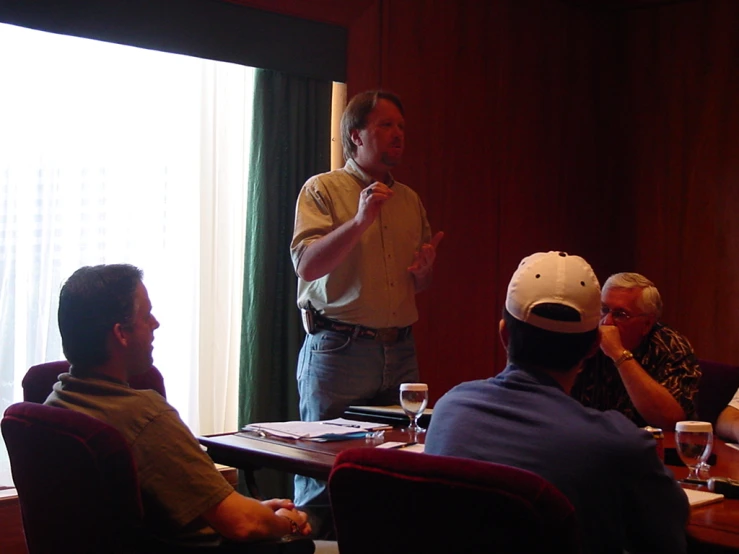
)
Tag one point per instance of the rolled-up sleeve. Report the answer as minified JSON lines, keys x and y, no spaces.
{"x":313,"y":218}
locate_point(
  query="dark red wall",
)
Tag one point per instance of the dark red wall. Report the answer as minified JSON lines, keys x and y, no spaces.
{"x":607,"y":129}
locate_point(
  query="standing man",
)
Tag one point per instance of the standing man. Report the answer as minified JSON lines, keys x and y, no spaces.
{"x":624,"y":497}
{"x":362,"y":249}
{"x":644,"y":369}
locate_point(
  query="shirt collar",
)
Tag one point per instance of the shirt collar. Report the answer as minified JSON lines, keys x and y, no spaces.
{"x":644,"y":345}
{"x":97,"y":376}
{"x":529,"y":375}
{"x":355,"y":171}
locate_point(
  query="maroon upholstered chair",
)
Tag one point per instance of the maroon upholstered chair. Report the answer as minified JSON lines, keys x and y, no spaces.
{"x":39,"y":380}
{"x":444,"y":504}
{"x":75,"y":479}
{"x":716,"y":388}
{"x":78,"y":488}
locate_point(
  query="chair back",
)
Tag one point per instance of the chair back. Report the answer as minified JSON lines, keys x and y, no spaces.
{"x":716,"y":388}
{"x":39,"y":380}
{"x":79,"y":492}
{"x":75,"y":478}
{"x":444,"y":504}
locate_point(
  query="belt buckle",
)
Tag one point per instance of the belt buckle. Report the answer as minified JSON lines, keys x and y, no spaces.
{"x":387,"y":334}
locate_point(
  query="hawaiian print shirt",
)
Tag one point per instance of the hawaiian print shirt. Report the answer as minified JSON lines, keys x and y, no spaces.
{"x":665,"y":354}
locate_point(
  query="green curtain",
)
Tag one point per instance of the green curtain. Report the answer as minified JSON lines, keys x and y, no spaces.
{"x":291,"y":141}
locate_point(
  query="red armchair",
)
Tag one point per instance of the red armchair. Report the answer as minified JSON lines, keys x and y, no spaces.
{"x":75,"y":480}
{"x":716,"y":388}
{"x":78,"y":488}
{"x":39,"y":380}
{"x":398,"y":502}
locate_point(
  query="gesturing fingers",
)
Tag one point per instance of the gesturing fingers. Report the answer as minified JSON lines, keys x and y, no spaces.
{"x":423,"y":259}
{"x":437,"y":239}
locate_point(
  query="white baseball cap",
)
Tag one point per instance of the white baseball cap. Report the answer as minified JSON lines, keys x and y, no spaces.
{"x":555,"y":278}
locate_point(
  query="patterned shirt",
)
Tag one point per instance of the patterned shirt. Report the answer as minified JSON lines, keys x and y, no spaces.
{"x":664,"y":354}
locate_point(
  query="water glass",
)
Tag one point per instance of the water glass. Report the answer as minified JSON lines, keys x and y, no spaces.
{"x":413,"y":399}
{"x":694,"y":442}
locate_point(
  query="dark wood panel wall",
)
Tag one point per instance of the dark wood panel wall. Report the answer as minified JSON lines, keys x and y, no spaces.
{"x":681,"y":140}
{"x":502,"y":146}
{"x":606,"y":129}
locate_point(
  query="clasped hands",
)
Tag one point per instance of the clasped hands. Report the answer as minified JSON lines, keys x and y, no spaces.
{"x":285,"y":508}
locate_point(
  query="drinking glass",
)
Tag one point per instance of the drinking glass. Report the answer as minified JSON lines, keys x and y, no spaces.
{"x":413,"y":398}
{"x":694,"y":441}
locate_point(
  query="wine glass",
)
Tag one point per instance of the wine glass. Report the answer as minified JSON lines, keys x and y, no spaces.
{"x":413,"y":399}
{"x":694,"y":441}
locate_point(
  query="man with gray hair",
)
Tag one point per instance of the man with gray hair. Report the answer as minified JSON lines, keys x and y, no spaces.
{"x":644,"y":369}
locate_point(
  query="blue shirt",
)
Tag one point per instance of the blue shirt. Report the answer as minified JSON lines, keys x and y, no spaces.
{"x":623,"y":495}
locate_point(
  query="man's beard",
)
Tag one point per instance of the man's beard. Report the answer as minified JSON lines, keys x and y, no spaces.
{"x":390,"y":161}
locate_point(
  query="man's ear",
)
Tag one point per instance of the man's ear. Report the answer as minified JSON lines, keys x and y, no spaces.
{"x":356,"y":139}
{"x":649,"y":322}
{"x":119,"y":334}
{"x":503,"y":332}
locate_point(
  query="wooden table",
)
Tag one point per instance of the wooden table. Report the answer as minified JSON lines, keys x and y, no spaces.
{"x":716,"y":524}
{"x":712,"y":528}
{"x":249,"y":452}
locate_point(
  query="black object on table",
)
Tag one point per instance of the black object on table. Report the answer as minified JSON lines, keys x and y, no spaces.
{"x":672,"y":458}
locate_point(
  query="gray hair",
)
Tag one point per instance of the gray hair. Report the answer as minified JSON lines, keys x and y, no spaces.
{"x":650,"y":301}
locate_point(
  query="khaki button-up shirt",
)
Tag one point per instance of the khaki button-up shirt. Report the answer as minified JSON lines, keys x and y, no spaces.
{"x":372,"y":286}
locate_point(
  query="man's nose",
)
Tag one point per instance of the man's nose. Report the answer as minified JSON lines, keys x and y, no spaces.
{"x":607,"y":319}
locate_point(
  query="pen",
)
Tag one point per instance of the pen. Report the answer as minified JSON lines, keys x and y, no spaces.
{"x":343,"y":425}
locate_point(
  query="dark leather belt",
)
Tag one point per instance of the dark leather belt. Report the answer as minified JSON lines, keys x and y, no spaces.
{"x":385,"y":334}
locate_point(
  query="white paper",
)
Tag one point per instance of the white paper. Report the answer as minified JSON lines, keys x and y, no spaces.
{"x":401,"y":446}
{"x":314,"y":429}
{"x":698,"y":498}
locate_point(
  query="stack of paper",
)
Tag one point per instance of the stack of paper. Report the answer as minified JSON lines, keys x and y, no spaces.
{"x":316,"y":430}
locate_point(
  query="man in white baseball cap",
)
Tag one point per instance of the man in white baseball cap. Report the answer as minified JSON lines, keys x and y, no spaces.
{"x":624,"y":497}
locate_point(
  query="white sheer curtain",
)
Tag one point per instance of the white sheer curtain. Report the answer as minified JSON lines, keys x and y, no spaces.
{"x":113,"y":154}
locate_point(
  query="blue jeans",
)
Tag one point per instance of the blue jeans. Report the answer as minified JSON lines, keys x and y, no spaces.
{"x":336,"y":371}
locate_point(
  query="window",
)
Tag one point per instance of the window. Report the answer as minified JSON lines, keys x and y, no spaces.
{"x":114,"y":154}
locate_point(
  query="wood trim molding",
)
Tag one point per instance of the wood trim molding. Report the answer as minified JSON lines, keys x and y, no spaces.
{"x":11,"y":526}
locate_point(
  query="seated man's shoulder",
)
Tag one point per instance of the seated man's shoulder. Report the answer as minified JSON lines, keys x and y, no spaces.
{"x":460,"y":393}
{"x":668,"y":337}
{"x":614,"y":431}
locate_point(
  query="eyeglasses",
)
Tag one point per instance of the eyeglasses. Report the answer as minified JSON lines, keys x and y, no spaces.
{"x":619,"y":316}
